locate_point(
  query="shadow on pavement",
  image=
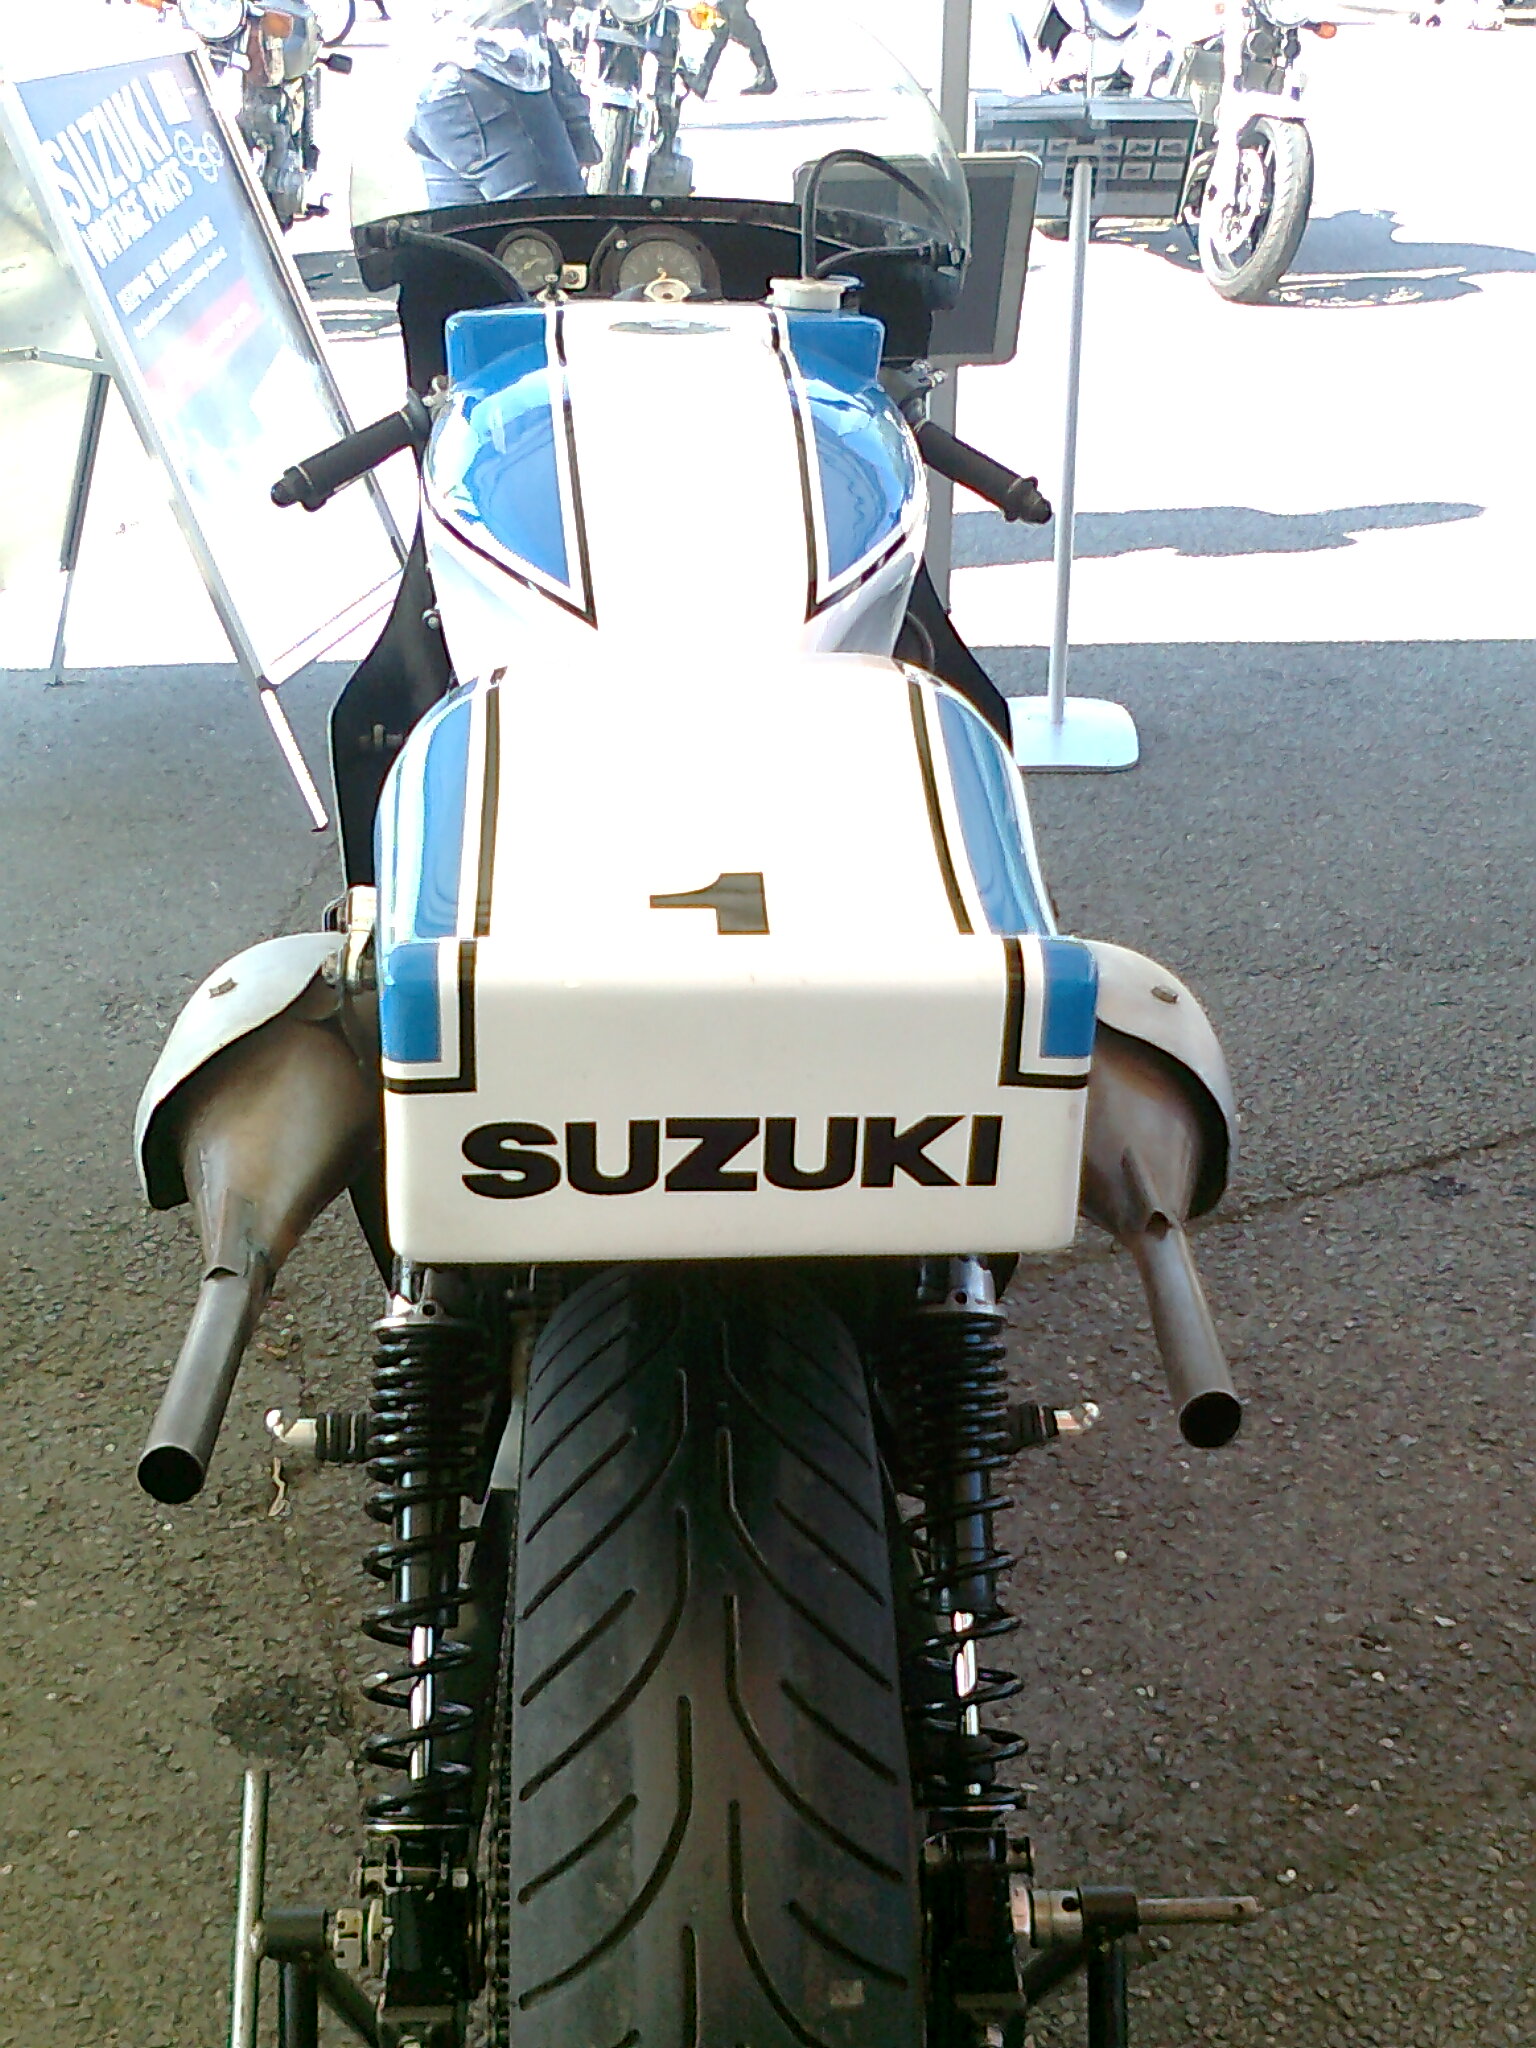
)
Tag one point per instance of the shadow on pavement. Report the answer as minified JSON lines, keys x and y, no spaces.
{"x":983,"y":540}
{"x":1355,"y":259}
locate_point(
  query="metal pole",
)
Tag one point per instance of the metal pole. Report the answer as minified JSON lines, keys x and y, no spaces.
{"x":74,"y":521}
{"x":250,"y":1897}
{"x":955,"y":112}
{"x":1054,"y":731}
{"x":1066,"y":497}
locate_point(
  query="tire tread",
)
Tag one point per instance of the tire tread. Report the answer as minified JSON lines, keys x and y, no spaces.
{"x":712,"y":1841}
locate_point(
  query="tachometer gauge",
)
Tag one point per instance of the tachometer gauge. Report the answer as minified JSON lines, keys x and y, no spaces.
{"x":534,"y":260}
{"x":213,"y":20}
{"x":632,"y":260}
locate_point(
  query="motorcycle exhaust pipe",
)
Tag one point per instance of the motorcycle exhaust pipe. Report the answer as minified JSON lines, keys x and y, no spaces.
{"x":174,"y":1462}
{"x":268,"y":1134}
{"x":1144,"y":1158}
{"x":1209,"y":1412}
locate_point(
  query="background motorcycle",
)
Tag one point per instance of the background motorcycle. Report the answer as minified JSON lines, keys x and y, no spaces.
{"x":1249,"y":191}
{"x":628,"y":57}
{"x":337,"y":19}
{"x":1250,"y":185}
{"x":273,"y":56}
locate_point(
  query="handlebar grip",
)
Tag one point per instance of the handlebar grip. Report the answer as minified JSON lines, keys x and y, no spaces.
{"x":315,"y":481}
{"x":1015,"y":496}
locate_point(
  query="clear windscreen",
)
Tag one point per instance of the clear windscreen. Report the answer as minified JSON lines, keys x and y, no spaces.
{"x":784,"y":83}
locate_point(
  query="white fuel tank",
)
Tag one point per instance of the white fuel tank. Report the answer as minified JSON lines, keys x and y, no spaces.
{"x":681,"y":480}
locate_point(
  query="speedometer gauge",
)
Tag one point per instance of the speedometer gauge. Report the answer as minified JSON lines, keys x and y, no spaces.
{"x":650,"y":261}
{"x":534,"y":260}
{"x":633,"y":260}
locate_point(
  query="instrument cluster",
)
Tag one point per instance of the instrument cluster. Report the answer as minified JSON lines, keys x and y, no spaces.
{"x":658,"y":263}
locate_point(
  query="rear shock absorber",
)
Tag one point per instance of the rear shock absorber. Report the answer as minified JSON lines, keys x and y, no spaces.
{"x":954,"y":1434}
{"x":428,"y":1406}
{"x":426,"y":1412}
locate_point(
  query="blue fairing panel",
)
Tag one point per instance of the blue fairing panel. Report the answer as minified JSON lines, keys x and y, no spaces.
{"x":984,"y":783}
{"x":493,"y":459}
{"x":1071,"y":1000}
{"x":410,"y":1004}
{"x":867,"y":463}
{"x":419,"y":860}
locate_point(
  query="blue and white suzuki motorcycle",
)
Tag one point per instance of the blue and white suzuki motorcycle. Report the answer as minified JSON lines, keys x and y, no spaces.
{"x":699,"y":1050}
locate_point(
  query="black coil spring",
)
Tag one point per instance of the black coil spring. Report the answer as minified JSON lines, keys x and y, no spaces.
{"x":951,"y":1415}
{"x":427,"y":1408}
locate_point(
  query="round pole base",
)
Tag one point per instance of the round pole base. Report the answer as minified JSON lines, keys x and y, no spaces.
{"x":1091,"y":736}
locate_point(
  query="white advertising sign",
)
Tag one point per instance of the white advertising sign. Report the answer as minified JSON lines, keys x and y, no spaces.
{"x":199,"y":315}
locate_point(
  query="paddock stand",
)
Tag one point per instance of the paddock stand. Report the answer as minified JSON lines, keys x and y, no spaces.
{"x":1054,"y":1934}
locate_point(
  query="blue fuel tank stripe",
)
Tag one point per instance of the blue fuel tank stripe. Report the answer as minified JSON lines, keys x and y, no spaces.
{"x":493,"y":459}
{"x":983,"y":778}
{"x":868,"y":473}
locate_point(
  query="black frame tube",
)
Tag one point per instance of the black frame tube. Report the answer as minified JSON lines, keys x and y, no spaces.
{"x":1108,"y":2006}
{"x":347,"y":2000}
{"x":295,"y":1937}
{"x":298,"y":2005}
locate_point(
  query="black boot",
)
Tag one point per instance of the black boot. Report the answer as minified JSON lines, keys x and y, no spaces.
{"x":765,"y":82}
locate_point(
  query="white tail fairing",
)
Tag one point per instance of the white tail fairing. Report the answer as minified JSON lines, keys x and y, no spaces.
{"x":762,"y":967}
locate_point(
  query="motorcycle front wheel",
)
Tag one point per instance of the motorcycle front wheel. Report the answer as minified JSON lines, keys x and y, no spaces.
{"x":616,"y":135}
{"x":706,"y":1811}
{"x":336,"y":20}
{"x":1247,"y":246}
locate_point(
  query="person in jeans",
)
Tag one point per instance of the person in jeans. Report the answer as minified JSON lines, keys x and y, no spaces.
{"x":500,"y":117}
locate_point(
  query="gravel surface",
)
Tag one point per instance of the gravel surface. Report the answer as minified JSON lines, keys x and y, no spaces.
{"x":1297,"y":1667}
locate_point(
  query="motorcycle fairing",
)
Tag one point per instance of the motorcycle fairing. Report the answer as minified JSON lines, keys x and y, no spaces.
{"x":577,"y":453}
{"x":253,"y":988}
{"x":764,"y":969}
{"x":1142,"y":1000}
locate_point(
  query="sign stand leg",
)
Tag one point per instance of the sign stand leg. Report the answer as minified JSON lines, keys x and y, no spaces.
{"x":288,"y":746}
{"x":1055,"y":731}
{"x":938,"y":550}
{"x":955,"y":112}
{"x":74,"y":523}
{"x":249,"y":1899}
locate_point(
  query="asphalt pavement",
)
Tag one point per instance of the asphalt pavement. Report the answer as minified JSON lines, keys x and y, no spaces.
{"x":1298,"y":1667}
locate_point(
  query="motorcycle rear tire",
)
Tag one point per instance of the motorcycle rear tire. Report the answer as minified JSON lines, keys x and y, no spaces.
{"x":711,"y":1836}
{"x":1250,"y":279}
